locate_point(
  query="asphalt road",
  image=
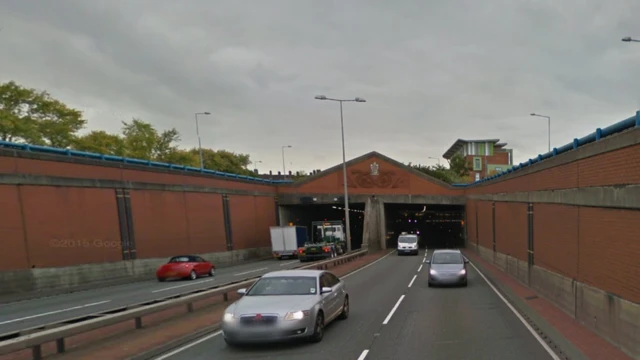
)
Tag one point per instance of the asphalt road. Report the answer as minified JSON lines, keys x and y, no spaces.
{"x":30,"y":313}
{"x":428,"y":323}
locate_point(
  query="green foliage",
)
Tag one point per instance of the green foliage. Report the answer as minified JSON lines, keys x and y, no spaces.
{"x":456,"y":173}
{"x":27,"y":115}
{"x":30,"y":116}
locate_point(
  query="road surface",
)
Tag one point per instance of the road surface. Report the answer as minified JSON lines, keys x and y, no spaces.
{"x":36,"y":312}
{"x":395,"y":315}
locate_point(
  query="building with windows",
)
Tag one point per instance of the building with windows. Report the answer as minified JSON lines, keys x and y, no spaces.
{"x":486,"y":157}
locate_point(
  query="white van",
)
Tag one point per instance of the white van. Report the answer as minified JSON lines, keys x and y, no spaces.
{"x":408,"y":244}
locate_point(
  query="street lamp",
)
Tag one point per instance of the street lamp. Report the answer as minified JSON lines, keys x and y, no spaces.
{"x":629,"y":39}
{"x":548,"y":126}
{"x":344,"y":164}
{"x":199,"y":142}
{"x":435,"y":158}
{"x":256,"y":162}
{"x":284,"y":170}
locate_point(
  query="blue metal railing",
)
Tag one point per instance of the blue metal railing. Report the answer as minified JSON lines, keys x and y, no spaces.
{"x":598,"y":135}
{"x":124,"y":160}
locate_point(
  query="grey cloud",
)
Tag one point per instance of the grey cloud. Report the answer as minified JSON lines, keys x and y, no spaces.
{"x":431,"y":71}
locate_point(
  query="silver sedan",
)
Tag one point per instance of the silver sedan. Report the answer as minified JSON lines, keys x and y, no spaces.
{"x":287,"y":304}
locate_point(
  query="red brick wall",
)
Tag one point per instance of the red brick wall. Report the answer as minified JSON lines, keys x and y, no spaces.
{"x":511,"y":229}
{"x":556,"y":235}
{"x":485,"y":224}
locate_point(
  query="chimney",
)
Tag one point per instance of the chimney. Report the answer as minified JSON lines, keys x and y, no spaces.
{"x":290,"y":173}
{"x":279,"y":173}
{"x":270,"y":172}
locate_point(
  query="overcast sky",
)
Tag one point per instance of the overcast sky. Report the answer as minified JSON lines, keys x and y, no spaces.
{"x":431,"y":71}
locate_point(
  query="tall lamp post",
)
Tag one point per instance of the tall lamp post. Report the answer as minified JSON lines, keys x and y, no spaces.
{"x":199,"y":142}
{"x":629,"y":39}
{"x":435,"y":158}
{"x":284,"y":169}
{"x":548,"y":126}
{"x":344,"y":163}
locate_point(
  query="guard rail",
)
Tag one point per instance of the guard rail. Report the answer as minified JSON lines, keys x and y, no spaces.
{"x":57,"y":332}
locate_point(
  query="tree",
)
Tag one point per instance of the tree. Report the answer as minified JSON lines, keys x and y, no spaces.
{"x":225,"y":161}
{"x":27,"y":115}
{"x":100,"y":142}
{"x":143,"y":141}
{"x":459,"y":165}
{"x":15,"y":123}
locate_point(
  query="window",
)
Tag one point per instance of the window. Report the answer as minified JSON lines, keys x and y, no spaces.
{"x":408,"y":239}
{"x":447,"y":258}
{"x":180,"y":259}
{"x":331,"y":280}
{"x":498,"y":168}
{"x":292,"y":285}
{"x":477,"y":164}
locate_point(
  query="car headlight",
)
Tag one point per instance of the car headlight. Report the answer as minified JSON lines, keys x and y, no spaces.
{"x":462,"y":272}
{"x":296,"y":315}
{"x":228,"y":317}
{"x":432,"y":272}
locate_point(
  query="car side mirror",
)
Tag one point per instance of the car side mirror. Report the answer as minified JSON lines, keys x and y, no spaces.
{"x":466,"y":261}
{"x":242,"y":291}
{"x":325,"y":290}
{"x":427,"y":261}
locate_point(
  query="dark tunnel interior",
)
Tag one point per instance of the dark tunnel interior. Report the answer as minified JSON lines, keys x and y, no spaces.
{"x":438,"y":226}
{"x":304,"y":215}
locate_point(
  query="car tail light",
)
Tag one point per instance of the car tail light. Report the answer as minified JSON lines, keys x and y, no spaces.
{"x":326,"y":249}
{"x":300,"y":250}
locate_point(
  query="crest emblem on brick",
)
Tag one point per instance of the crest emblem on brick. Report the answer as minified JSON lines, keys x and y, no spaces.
{"x":375,"y":168}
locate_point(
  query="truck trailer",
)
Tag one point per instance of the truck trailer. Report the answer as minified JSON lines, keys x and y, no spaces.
{"x":286,"y":240}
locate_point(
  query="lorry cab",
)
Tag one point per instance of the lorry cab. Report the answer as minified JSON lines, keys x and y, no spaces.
{"x":408,"y":244}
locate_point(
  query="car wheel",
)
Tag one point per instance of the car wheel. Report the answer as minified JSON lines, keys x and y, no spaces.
{"x":429,"y":284}
{"x":212,"y":272}
{"x":318,"y":329}
{"x":345,"y":309}
{"x":193,"y":275}
{"x":161,"y":279}
{"x":464,"y":284}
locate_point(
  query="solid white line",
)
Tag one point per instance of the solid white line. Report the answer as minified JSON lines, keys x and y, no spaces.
{"x":250,"y":271}
{"x":55,"y":312}
{"x":185,"y":347}
{"x":363,"y":355}
{"x":412,"y":280}
{"x":183,"y":285}
{"x":420,"y":268}
{"x":290,"y":262}
{"x":366,"y":266}
{"x":386,"y":321}
{"x":526,"y":324}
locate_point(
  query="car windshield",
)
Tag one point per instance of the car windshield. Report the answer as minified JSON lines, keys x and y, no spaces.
{"x":179,"y":259}
{"x":408,"y":239}
{"x":446,"y":258}
{"x":290,"y":285}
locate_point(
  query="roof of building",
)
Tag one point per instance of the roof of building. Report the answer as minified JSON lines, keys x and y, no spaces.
{"x":461,"y":142}
{"x":364,"y":157}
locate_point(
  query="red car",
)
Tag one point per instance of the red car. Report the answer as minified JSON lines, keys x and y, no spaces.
{"x":185,"y":266}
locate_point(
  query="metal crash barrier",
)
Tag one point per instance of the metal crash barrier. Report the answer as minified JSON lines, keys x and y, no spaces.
{"x":34,"y":338}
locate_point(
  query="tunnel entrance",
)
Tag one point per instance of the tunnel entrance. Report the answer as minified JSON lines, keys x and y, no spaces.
{"x":438,"y":226}
{"x":304,"y":215}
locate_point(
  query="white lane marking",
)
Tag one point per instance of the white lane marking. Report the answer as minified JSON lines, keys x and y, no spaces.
{"x":420,"y":268}
{"x":250,"y":271}
{"x":386,"y":321}
{"x":185,"y":347}
{"x":290,"y":262}
{"x":183,"y":285}
{"x":363,"y":355}
{"x":366,"y":266}
{"x":526,"y":324}
{"x":412,"y":280}
{"x":55,"y":312}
